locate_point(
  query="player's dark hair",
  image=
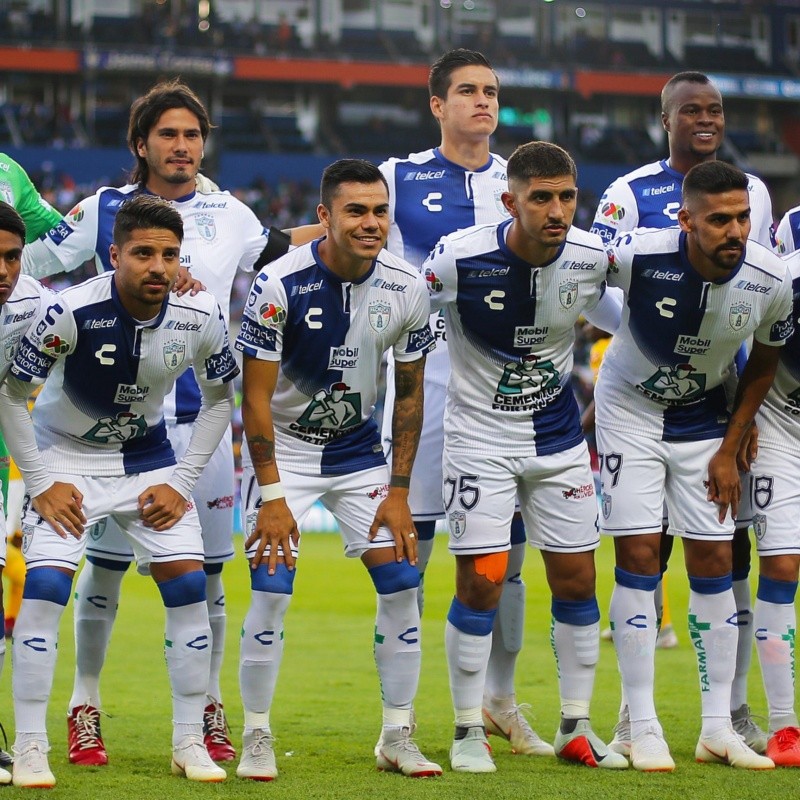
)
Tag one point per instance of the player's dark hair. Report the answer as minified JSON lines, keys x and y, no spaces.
{"x":540,"y":160}
{"x":11,"y":221}
{"x":444,"y":66}
{"x":145,"y":212}
{"x":713,"y":177}
{"x":347,"y":170}
{"x":681,"y":77}
{"x":146,"y":111}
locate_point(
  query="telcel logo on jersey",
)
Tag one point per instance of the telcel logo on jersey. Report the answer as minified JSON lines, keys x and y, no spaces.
{"x":309,"y":287}
{"x":662,"y":275}
{"x":753,"y":287}
{"x":495,"y":272}
{"x":655,"y":191}
{"x":390,"y":286}
{"x":526,"y":335}
{"x":343,"y":357}
{"x":176,"y":325}
{"x":428,"y":175}
{"x":130,"y":393}
{"x":692,"y":345}
{"x":96,"y":324}
{"x":10,"y":319}
{"x":583,"y":265}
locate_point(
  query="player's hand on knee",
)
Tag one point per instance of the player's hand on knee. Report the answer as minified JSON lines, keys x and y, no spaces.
{"x":62,"y":507}
{"x":393,"y":513}
{"x":724,"y":486}
{"x":186,"y":283}
{"x":161,"y":506}
{"x":275,"y":528}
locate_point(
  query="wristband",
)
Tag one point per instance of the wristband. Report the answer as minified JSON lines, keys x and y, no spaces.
{"x":272,"y":491}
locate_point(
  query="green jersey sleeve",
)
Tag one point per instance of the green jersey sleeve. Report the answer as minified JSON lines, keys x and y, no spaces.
{"x":17,"y":189}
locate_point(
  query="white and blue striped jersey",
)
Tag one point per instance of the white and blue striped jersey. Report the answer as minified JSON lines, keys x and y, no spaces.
{"x":102,"y":407}
{"x":779,"y":415}
{"x":650,"y":197}
{"x":512,"y":329}
{"x":220,"y":234}
{"x":668,"y":373}
{"x":330,"y":336}
{"x":788,"y":233}
{"x":17,"y":314}
{"x":430,"y":197}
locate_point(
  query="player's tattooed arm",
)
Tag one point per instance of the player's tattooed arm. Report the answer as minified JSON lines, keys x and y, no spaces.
{"x":262,"y":450}
{"x":407,"y":417}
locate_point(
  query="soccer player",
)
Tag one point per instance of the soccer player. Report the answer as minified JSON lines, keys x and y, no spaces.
{"x":694,"y":294}
{"x":650,"y":197}
{"x":433,"y":193}
{"x":314,"y":331}
{"x":167,"y":132}
{"x":776,"y":501}
{"x":512,"y":294}
{"x":788,"y":233}
{"x":112,"y":348}
{"x":20,"y":299}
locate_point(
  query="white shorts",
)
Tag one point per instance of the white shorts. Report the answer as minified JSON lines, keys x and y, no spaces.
{"x":425,"y":492}
{"x":352,"y":499}
{"x":112,"y":498}
{"x":637,"y":474}
{"x":555,"y":492}
{"x":213,"y":496}
{"x":776,"y":502}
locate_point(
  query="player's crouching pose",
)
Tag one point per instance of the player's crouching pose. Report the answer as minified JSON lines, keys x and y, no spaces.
{"x":315,"y":328}
{"x":20,"y":300}
{"x":112,"y":348}
{"x":666,"y":426}
{"x":776,"y":503}
{"x":512,"y":294}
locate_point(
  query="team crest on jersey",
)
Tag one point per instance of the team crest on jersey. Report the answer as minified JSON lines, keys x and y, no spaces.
{"x":10,"y":346}
{"x":174,"y":355}
{"x":739,"y":315}
{"x":206,"y":227}
{"x":98,"y":529}
{"x":498,"y":201}
{"x":458,"y":524}
{"x":605,"y":505}
{"x":568,"y":293}
{"x":762,"y":491}
{"x":379,"y":315}
{"x":760,"y":525}
{"x":6,"y":194}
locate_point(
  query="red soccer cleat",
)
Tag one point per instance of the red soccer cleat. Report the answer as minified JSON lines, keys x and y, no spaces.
{"x":215,"y":733}
{"x":783,"y":747}
{"x":86,"y":746}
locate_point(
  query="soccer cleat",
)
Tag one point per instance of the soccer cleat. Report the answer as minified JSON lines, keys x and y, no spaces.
{"x":84,"y":740}
{"x":510,"y":723}
{"x":31,"y":769}
{"x":190,"y":758}
{"x":745,"y":726}
{"x":5,"y":757}
{"x":581,"y":745}
{"x":413,"y":723}
{"x":783,"y":747}
{"x":621,"y":743}
{"x":470,"y":752}
{"x":215,"y":732}
{"x":726,"y":746}
{"x":399,"y":753}
{"x":649,"y":751}
{"x":258,"y":758}
{"x":667,"y":639}
{"x":5,"y":777}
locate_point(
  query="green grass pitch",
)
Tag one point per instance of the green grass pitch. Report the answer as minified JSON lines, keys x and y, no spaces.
{"x":326,"y":714}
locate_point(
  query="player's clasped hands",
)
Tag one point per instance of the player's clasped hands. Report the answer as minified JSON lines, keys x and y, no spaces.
{"x":393,"y":513}
{"x":161,"y":506}
{"x":276,"y":528}
{"x":62,"y":506}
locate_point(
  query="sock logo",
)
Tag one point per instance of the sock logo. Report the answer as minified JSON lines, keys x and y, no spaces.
{"x":265,"y":637}
{"x":637,"y":621}
{"x":198,"y":643}
{"x":409,"y":636}
{"x":34,"y":643}
{"x":98,"y":601}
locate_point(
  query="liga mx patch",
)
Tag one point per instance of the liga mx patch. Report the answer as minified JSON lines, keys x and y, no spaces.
{"x":458,"y":524}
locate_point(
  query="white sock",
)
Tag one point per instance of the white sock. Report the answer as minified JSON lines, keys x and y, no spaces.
{"x":424,"y":552}
{"x":744,"y":647}
{"x":509,"y":625}
{"x":188,"y":663}
{"x":95,"y":608}
{"x":33,"y":662}
{"x":658,"y":601}
{"x":398,"y":655}
{"x":775,"y":624}
{"x":712,"y":628}
{"x":215,"y":600}
{"x":260,"y":654}
{"x":633,"y":623}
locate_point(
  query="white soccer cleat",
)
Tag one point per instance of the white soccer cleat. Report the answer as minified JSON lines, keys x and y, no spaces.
{"x":621,"y":743}
{"x":413,"y":727}
{"x":258,"y":757}
{"x":582,"y":745}
{"x":743,"y":723}
{"x":30,"y":768}
{"x":666,"y":639}
{"x":649,"y":751}
{"x":5,"y":777}
{"x":399,"y":753}
{"x":470,"y":752}
{"x":510,"y":723}
{"x":191,"y":759}
{"x":725,"y":746}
